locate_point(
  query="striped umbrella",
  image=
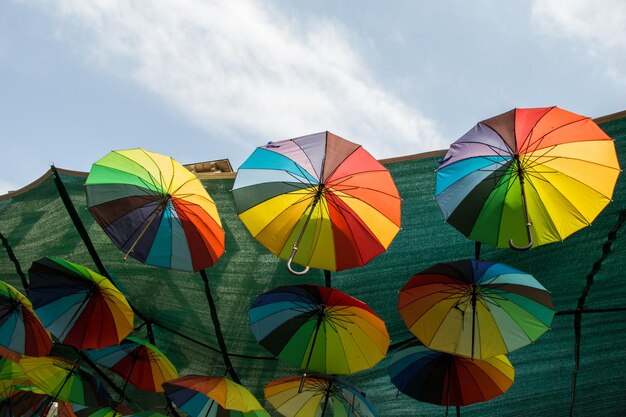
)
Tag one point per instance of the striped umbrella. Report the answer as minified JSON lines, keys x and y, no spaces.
{"x":79,"y":306}
{"x":475,"y":308}
{"x":319,"y":329}
{"x":319,"y":394}
{"x":155,"y":210}
{"x":140,"y":363}
{"x":318,"y":200}
{"x":547,"y":168}
{"x":204,"y":396}
{"x":65,"y":381}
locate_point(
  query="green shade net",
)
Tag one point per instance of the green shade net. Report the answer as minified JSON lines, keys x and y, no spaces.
{"x":586,"y":269}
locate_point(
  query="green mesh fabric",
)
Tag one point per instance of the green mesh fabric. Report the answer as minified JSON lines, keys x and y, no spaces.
{"x":586,"y":270}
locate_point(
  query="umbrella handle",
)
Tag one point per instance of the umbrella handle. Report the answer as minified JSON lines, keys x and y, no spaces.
{"x":520,"y":174}
{"x":530,"y":240}
{"x":290,"y":260}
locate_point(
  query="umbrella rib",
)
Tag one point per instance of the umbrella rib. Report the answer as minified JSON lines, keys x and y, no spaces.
{"x":542,"y":138}
{"x":147,"y":190}
{"x":540,"y":201}
{"x":538,"y":174}
{"x":161,"y":177}
{"x":341,"y":212}
{"x":319,"y":174}
{"x":306,"y":196}
{"x":136,"y":164}
{"x":184,"y":205}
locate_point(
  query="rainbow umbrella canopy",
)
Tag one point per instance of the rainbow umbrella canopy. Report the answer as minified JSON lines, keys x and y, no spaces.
{"x":11,"y":378}
{"x":155,"y":210}
{"x":318,"y":200}
{"x":65,"y":381}
{"x":319,"y":329}
{"x":205,"y":396}
{"x":542,"y":167}
{"x":475,"y":308}
{"x":79,"y":306}
{"x":20,"y":328}
{"x":445,"y":379}
{"x":319,"y":395}
{"x":140,"y":363}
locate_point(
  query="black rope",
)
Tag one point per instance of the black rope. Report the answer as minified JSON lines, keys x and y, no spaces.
{"x":218,"y":328}
{"x":13,"y":259}
{"x":150,"y":333}
{"x":578,"y":313}
{"x":205,"y":345}
{"x":80,"y":228}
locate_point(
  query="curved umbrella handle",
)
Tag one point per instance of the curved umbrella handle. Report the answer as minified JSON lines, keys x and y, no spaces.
{"x":530,"y":240}
{"x":290,"y":260}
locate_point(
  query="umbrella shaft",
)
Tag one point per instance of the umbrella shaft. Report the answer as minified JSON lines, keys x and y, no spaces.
{"x":306,"y":222}
{"x":308,"y":359}
{"x":154,"y":216}
{"x":330,"y":383}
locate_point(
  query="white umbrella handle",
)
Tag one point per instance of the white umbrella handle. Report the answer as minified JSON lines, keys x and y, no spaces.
{"x":293,"y":271}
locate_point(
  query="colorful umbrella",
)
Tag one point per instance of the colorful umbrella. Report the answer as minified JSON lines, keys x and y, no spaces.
{"x":442,"y":378}
{"x":24,"y":404}
{"x":319,"y":392}
{"x":11,"y":378}
{"x":146,"y":414}
{"x":80,"y":307}
{"x":65,"y":381}
{"x":204,"y":396}
{"x":545,"y":167}
{"x":155,"y":210}
{"x":138,"y":362}
{"x":318,"y":200}
{"x":475,"y":308}
{"x":20,"y":328}
{"x":319,"y":329}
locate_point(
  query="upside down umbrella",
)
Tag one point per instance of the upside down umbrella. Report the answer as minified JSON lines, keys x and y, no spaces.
{"x":320,"y":393}
{"x":20,"y":328}
{"x":64,"y":380}
{"x":155,"y":210}
{"x":319,"y":329}
{"x":140,"y":363}
{"x":79,"y":306}
{"x":11,"y":377}
{"x":475,"y":308}
{"x":542,"y":167}
{"x":204,"y":396}
{"x":318,"y":200}
{"x":445,"y":379}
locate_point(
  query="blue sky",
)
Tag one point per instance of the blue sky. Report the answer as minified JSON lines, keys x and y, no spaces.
{"x":202,"y":80}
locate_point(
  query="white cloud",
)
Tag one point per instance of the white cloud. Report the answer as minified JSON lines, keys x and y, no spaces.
{"x":239,"y":68}
{"x":599,"y":26}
